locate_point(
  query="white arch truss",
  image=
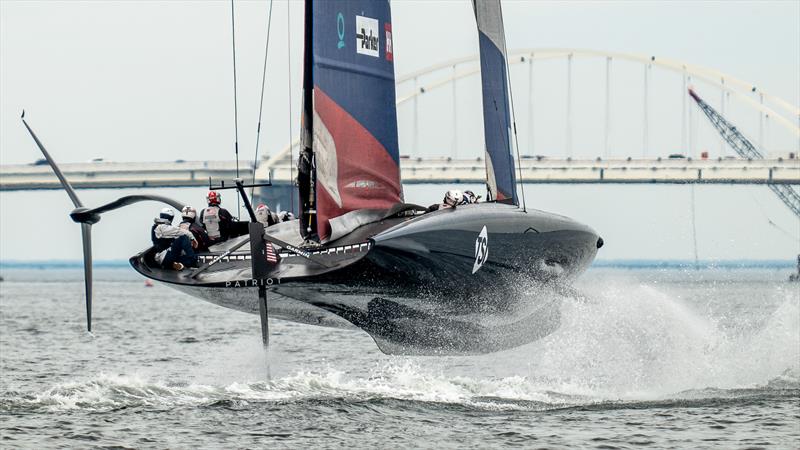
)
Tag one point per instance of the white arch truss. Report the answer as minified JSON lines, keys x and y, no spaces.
{"x":723,"y":81}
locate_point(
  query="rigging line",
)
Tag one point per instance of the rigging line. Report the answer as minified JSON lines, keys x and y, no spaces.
{"x":770,"y":222}
{"x":235,"y":106}
{"x":289,"y":91}
{"x":516,"y":145}
{"x":514,"y":121}
{"x":261,"y":102}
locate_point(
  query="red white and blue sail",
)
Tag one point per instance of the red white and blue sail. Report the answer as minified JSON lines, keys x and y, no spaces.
{"x":500,"y":176}
{"x":349,"y":115}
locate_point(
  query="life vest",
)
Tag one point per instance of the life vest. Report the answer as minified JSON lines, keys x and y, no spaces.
{"x":160,"y":244}
{"x":211,"y":222}
{"x":197,"y":231}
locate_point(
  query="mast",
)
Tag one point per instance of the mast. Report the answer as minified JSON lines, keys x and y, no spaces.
{"x":305,"y":162}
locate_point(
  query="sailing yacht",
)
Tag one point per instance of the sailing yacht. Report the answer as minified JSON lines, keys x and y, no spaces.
{"x":358,"y":256}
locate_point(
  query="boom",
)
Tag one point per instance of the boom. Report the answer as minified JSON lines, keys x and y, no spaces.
{"x":745,"y":149}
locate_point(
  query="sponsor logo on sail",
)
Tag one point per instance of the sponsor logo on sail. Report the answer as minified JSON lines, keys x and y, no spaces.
{"x":481,"y":249}
{"x":364,"y":184}
{"x":340,"y":30}
{"x":367,"y":42}
{"x":387,"y":28}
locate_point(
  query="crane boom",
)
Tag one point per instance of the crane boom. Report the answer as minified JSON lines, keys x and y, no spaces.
{"x":745,"y":149}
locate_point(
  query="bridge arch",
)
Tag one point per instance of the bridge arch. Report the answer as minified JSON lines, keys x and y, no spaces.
{"x":770,"y":106}
{"x":721,"y":80}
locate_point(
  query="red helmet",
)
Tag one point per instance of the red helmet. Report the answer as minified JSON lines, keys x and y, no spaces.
{"x":214,"y":198}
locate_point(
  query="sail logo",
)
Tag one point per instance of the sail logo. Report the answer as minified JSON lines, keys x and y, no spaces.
{"x":340,"y":30}
{"x":364,"y":184}
{"x":481,"y":250}
{"x":387,"y":28}
{"x":367,"y":36}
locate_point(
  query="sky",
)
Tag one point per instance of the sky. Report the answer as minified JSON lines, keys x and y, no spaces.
{"x":152,"y":81}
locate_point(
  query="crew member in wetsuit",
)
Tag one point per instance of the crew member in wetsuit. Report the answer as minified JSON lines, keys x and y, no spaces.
{"x":265,"y":216}
{"x":189,"y":222}
{"x":173,"y":245}
{"x":215,"y":219}
{"x":470,"y":197}
{"x":452,"y":198}
{"x":285,"y":216}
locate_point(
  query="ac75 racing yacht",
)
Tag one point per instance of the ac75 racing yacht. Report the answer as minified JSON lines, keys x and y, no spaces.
{"x":358,"y":256}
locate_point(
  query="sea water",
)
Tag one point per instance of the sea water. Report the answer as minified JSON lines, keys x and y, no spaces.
{"x":671,"y":357}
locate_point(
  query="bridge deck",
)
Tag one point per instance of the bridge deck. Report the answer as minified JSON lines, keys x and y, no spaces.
{"x":428,"y":170}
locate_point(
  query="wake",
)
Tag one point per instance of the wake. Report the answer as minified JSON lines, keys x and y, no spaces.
{"x":624,"y":343}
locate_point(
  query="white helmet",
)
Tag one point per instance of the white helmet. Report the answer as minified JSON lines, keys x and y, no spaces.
{"x":166,"y":215}
{"x":285,"y":216}
{"x":453,"y":197}
{"x":188,"y":213}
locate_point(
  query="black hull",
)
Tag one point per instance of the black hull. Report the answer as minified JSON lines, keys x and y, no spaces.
{"x":414,"y":284}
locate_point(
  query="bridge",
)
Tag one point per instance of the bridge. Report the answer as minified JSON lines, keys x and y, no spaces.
{"x":432,"y":117}
{"x":114,"y":175}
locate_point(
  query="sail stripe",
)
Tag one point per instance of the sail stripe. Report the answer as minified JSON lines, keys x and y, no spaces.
{"x":500,"y":176}
{"x":365,"y":177}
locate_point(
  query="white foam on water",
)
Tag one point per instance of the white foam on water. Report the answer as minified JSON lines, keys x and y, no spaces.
{"x":396,"y":380}
{"x":636,"y":342}
{"x":626,"y":342}
{"x":106,"y":391}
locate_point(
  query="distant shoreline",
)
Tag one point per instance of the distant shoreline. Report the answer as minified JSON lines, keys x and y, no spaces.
{"x":608,"y":263}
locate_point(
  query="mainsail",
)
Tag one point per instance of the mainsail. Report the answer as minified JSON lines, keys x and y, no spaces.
{"x":350,"y":156}
{"x":500,"y":177}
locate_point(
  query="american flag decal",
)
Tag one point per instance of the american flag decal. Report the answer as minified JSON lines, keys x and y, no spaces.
{"x":271,"y":256}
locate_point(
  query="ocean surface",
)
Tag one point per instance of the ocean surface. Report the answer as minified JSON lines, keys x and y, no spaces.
{"x":667,"y":357}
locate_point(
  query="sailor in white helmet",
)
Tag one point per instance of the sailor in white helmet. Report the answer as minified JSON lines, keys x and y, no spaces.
{"x":266,"y":216}
{"x":216,"y":219}
{"x":470,"y":197}
{"x":173,"y":245}
{"x":452,"y":198}
{"x":285,"y":216}
{"x":189,"y":222}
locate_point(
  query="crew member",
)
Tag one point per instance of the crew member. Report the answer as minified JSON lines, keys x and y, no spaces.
{"x":216,"y":220}
{"x":452,"y":198}
{"x":470,"y":197}
{"x":265,"y":216}
{"x":173,"y":245}
{"x":189,"y":222}
{"x":285,"y":216}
